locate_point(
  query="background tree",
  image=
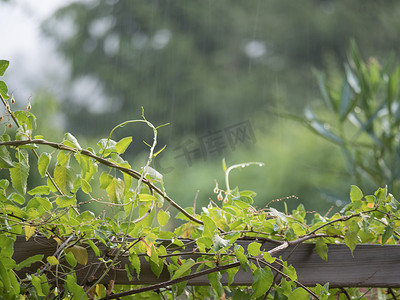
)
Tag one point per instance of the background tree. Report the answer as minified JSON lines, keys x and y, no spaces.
{"x":204,"y":66}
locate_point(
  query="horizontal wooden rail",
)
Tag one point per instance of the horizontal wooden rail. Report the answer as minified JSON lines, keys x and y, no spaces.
{"x":369,"y":266}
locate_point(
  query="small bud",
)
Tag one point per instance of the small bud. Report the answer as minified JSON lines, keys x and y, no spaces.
{"x":216,"y":189}
{"x":9,"y":125}
{"x":220,"y":197}
{"x":226,"y":199}
{"x":12,"y":99}
{"x":28,"y":107}
{"x":1,"y":118}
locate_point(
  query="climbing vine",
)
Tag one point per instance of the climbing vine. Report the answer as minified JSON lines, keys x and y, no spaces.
{"x":129,"y":225}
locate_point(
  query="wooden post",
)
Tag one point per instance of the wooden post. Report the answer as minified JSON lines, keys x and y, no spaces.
{"x":369,"y":266}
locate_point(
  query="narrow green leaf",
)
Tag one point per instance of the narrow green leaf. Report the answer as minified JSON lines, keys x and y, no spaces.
{"x":29,"y":261}
{"x":5,"y":159}
{"x":347,"y":102}
{"x":43,"y":163}
{"x":123,"y":144}
{"x":262,"y":281}
{"x":3,"y":66}
{"x":324,"y":91}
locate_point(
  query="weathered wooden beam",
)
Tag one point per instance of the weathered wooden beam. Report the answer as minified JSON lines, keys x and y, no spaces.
{"x":369,"y":266}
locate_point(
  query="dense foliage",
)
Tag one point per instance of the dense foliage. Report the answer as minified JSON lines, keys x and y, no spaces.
{"x":134,"y":215}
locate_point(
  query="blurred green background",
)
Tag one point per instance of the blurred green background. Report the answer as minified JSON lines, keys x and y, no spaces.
{"x":221,"y":73}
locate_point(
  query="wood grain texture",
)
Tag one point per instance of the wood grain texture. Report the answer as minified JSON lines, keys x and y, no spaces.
{"x":369,"y":266}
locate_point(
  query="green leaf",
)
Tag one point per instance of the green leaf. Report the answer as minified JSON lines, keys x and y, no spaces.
{"x":106,"y":146}
{"x":254,"y":248}
{"x":5,"y":159}
{"x":355,"y":193}
{"x":43,"y":163}
{"x":320,"y":128}
{"x":17,"y":198}
{"x":4,"y":183}
{"x":322,"y":249}
{"x":135,"y":261}
{"x":186,"y":266}
{"x":80,"y":254}
{"x":330,"y":103}
{"x":146,"y":198}
{"x":76,"y":290}
{"x":239,"y":253}
{"x":299,"y":294}
{"x":115,"y":190}
{"x":3,"y":90}
{"x":29,"y":261}
{"x":95,"y":249}
{"x":40,"y":190}
{"x":63,"y":177}
{"x":52,"y":260}
{"x":268,"y":258}
{"x":39,"y":204}
{"x":25,"y":119}
{"x":219,"y":242}
{"x":70,"y":258}
{"x":105,"y":180}
{"x":123,"y":144}
{"x":71,"y":141}
{"x":346,"y":102}
{"x":3,"y":66}
{"x":209,"y":226}
{"x":215,"y":281}
{"x":85,"y":186}
{"x":65,"y":201}
{"x":19,"y":176}
{"x":351,"y":240}
{"x":387,"y":234}
{"x":36,"y":282}
{"x":163,"y":217}
{"x":262,"y":281}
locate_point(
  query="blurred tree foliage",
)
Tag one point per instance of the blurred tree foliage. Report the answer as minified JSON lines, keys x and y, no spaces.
{"x":205,"y":65}
{"x":201,"y":63}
